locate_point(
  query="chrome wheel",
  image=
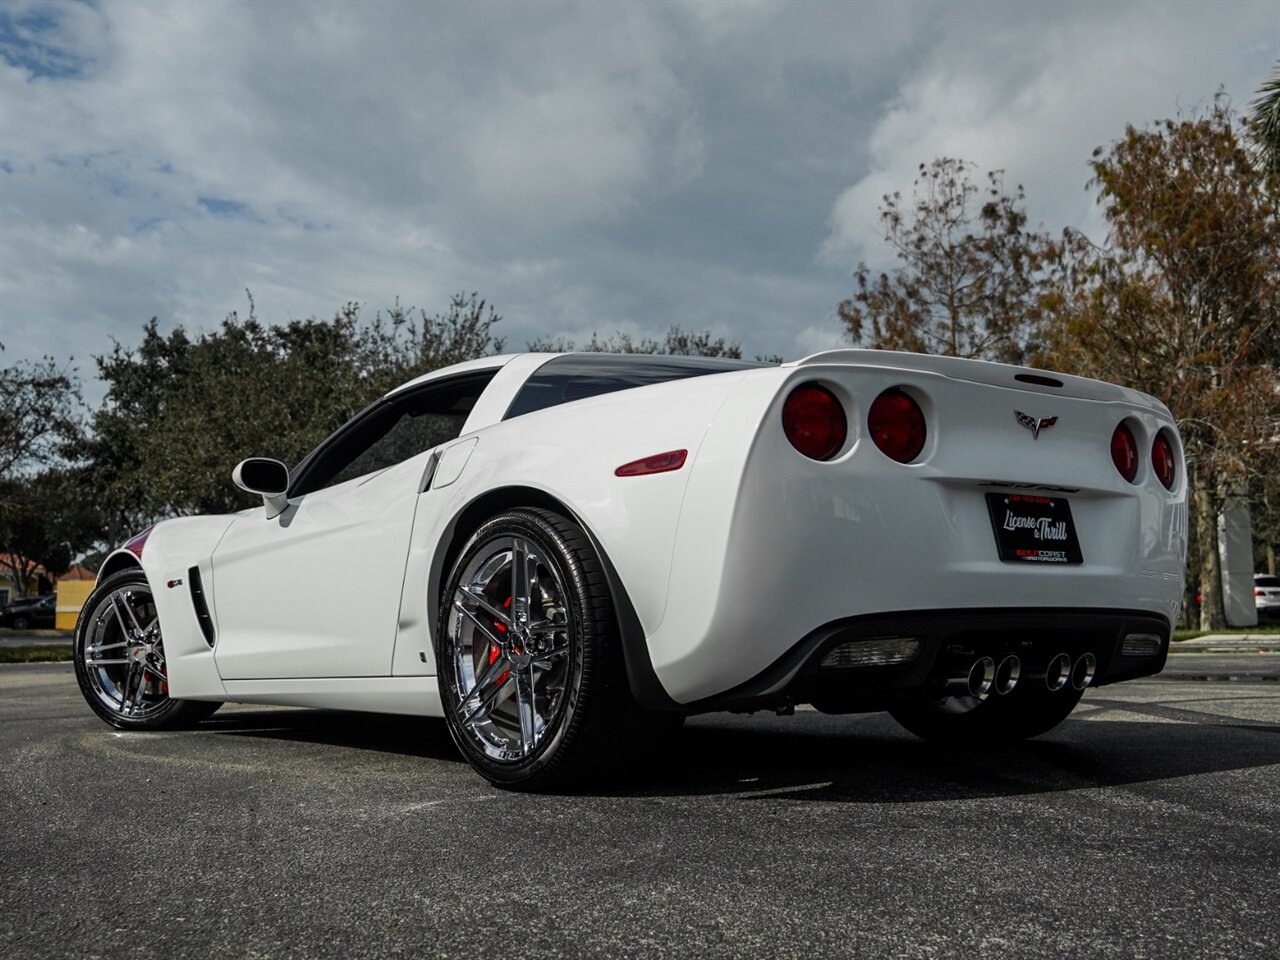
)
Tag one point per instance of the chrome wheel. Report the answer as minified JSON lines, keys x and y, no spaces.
{"x":122,"y":654}
{"x":120,"y":659}
{"x":530,"y":665}
{"x":507,"y":644}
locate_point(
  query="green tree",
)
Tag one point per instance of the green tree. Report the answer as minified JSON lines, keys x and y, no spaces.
{"x":1265,"y":122}
{"x":40,"y":415}
{"x":969,"y":270}
{"x":44,"y":524}
{"x":1183,"y":302}
{"x":40,"y":428}
{"x":1266,"y":522}
{"x":676,"y":342}
{"x":181,"y":411}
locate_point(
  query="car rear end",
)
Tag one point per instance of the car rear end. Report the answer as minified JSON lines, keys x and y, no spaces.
{"x":1266,"y":597}
{"x":865,"y":526}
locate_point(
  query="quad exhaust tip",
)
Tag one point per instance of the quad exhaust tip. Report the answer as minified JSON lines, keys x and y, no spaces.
{"x":977,"y":682}
{"x":981,"y":676}
{"x":1083,"y":670}
{"x":1059,"y":672}
{"x":1008,"y":673}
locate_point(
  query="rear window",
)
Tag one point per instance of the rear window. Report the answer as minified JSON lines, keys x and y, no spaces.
{"x":1266,"y":581}
{"x":576,"y":376}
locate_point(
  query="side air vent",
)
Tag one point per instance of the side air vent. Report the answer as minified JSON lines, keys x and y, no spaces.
{"x":198,"y":602}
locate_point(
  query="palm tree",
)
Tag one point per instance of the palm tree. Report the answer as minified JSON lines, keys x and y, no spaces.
{"x":1266,"y":122}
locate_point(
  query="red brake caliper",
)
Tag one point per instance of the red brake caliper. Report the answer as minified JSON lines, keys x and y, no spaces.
{"x":493,"y":650}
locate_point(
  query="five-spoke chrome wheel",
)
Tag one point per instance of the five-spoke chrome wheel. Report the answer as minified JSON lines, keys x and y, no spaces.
{"x":508,"y":642}
{"x":532,"y":678}
{"x":123,"y":653}
{"x":120,"y":660}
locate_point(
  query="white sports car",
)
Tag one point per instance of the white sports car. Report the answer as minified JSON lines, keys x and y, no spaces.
{"x":561,"y":554}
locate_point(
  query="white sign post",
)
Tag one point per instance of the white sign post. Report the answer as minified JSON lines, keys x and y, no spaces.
{"x":1235,"y":548}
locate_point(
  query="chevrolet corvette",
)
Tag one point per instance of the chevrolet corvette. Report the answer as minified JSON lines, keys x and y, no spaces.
{"x":564,"y":554}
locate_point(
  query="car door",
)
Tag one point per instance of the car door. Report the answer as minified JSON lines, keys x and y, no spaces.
{"x":315,"y":591}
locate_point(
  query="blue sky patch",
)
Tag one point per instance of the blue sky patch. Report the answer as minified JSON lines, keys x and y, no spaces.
{"x":223,"y":208}
{"x":31,"y":41}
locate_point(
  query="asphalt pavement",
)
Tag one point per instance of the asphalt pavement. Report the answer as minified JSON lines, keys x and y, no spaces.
{"x":1147,"y":825}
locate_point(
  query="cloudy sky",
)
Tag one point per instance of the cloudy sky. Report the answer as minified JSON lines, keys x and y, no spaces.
{"x":586,"y":167}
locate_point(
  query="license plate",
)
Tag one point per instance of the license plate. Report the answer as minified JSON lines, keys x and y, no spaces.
{"x":1032,"y":529}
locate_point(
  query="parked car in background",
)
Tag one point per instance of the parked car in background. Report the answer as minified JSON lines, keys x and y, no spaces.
{"x":1266,"y":596}
{"x":27,"y":612}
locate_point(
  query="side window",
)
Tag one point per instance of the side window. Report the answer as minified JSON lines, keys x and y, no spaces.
{"x":391,"y":431}
{"x":410,"y":434}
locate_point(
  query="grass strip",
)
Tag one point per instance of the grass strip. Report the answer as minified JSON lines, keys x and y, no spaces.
{"x":37,"y":653}
{"x":1268,"y":630}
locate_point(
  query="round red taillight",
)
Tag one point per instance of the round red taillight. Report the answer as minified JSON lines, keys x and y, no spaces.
{"x":1124,"y":452}
{"x":814,"y":421}
{"x":1162,"y":460}
{"x":896,"y":424}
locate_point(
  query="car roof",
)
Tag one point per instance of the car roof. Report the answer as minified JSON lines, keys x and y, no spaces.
{"x":496,"y":362}
{"x":534,"y":360}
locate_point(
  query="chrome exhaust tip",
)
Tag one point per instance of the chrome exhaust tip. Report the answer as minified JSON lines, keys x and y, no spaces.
{"x":981,"y":675}
{"x":1083,"y":671}
{"x":977,"y":682}
{"x":1059,"y":672}
{"x":1008,"y":673}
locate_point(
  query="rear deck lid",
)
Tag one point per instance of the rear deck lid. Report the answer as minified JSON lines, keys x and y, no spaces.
{"x":986,"y":372}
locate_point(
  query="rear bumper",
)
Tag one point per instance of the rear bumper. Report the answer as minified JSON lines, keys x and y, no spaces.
{"x":946,"y":639}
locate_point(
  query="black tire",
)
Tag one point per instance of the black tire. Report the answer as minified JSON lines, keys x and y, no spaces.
{"x":127,"y":687}
{"x":20,"y":623}
{"x":563,"y":657}
{"x":1026,"y":712}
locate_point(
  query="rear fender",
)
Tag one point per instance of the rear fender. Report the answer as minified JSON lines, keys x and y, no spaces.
{"x":534,"y":460}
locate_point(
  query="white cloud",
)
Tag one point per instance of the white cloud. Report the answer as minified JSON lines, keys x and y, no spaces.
{"x":815,"y":339}
{"x":593,"y":123}
{"x":1035,"y":98}
{"x":586,"y":167}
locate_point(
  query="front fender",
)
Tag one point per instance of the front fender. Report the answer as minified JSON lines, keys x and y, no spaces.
{"x":173,"y":550}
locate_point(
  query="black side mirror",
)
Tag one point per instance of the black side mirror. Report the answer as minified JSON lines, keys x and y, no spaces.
{"x":268,"y":478}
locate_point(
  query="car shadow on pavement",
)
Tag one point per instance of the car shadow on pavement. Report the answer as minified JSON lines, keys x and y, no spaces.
{"x":873,"y":762}
{"x":815,"y":757}
{"x":385,"y":733}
